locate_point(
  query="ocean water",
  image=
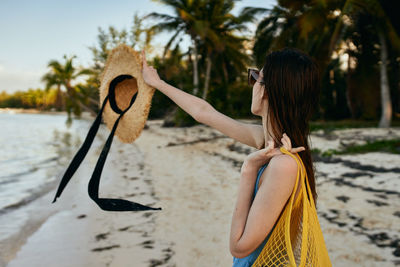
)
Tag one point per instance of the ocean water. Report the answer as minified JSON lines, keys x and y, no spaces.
{"x":34,"y":150}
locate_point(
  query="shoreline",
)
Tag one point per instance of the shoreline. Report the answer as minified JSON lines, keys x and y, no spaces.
{"x":84,"y":115}
{"x":30,"y":111}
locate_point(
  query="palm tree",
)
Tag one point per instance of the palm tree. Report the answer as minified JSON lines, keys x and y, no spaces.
{"x":185,"y":21}
{"x":212,"y":29}
{"x":219,"y":37}
{"x":385,"y":31}
{"x":292,"y":23}
{"x":278,"y":29}
{"x":53,"y":79}
{"x":63,"y":75}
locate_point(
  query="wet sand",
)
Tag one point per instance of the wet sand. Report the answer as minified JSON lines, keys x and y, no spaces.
{"x":193,"y":174}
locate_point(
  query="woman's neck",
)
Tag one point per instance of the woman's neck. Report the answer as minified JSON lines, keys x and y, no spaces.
{"x":267,"y":136}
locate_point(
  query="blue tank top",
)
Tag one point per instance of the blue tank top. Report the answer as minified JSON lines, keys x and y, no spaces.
{"x":250,"y":259}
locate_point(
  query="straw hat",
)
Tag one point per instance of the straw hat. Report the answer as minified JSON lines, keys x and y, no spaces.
{"x":123,"y":73}
{"x":125,"y":103}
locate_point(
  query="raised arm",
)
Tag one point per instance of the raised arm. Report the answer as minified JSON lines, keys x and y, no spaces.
{"x":203,"y":112}
{"x":245,"y":133}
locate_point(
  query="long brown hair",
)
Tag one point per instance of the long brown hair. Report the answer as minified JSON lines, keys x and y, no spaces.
{"x":292,"y":89}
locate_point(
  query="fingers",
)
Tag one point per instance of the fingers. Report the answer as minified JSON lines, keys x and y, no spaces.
{"x":298,"y":149}
{"x":288,"y":144}
{"x":285,"y":143}
{"x":287,"y":140}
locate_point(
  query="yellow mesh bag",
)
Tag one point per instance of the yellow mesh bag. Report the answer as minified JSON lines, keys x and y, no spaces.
{"x":297,"y":238}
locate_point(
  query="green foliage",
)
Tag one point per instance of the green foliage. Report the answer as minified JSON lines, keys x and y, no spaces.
{"x":345,"y":28}
{"x":174,"y":70}
{"x":76,"y":97}
{"x":328,"y":126}
{"x":234,"y":100}
{"x":218,"y":50}
{"x":138,"y":37}
{"x":33,"y":98}
{"x":389,"y":146}
{"x":333,"y":102}
{"x":182,"y":119}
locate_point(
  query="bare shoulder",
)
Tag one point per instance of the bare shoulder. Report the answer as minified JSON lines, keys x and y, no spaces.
{"x":284,"y":168}
{"x":284,"y":161}
{"x":278,"y":180}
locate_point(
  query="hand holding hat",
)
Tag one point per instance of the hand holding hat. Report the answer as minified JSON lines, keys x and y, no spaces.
{"x":149,"y":73}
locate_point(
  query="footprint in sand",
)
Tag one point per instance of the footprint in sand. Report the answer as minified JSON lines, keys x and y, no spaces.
{"x":124,"y":228}
{"x":343,"y":198}
{"x":102,"y":236}
{"x":147,"y":244}
{"x":105,"y":248}
{"x":377,"y":203}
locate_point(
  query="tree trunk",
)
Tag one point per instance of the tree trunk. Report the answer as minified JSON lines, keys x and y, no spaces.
{"x":349,"y":100}
{"x":208,"y":72}
{"x":225,"y":72}
{"x":71,"y":92}
{"x":84,"y":107}
{"x":195,"y":69}
{"x":386,"y":103}
{"x":91,"y":100}
{"x":59,"y":105}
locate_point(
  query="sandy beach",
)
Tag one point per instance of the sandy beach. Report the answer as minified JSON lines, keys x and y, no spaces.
{"x":192,"y":174}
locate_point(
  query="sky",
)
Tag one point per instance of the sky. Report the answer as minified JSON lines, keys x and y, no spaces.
{"x":34,"y":32}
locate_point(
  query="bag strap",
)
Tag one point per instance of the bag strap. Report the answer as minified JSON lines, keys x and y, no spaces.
{"x":305,"y":187}
{"x":287,"y":229}
{"x":108,"y":204}
{"x":309,"y":189}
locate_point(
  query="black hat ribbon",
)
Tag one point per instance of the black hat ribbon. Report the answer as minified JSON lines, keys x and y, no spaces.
{"x":108,"y":204}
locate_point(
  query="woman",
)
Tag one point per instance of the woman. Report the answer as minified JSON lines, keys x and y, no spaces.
{"x":285,"y":93}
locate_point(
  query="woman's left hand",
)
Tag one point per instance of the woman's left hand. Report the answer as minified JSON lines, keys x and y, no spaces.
{"x":262,"y":156}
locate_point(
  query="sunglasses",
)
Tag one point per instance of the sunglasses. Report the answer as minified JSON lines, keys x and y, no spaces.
{"x":252,"y":76}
